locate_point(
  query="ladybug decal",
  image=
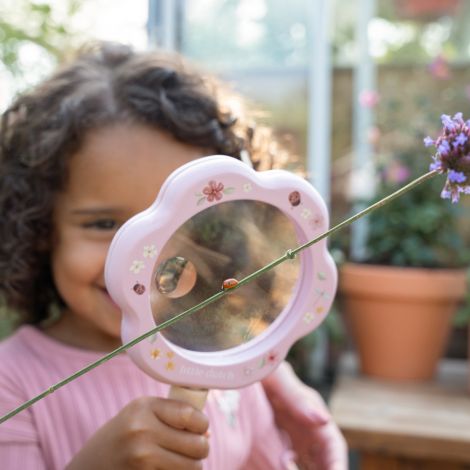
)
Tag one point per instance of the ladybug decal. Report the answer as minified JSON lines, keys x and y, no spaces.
{"x":139,"y":289}
{"x":294,"y":198}
{"x":229,"y":284}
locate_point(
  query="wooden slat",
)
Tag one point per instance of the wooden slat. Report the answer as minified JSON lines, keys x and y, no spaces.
{"x":426,"y":421}
{"x":378,"y":462}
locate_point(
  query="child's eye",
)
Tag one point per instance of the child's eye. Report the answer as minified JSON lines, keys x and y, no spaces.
{"x":101,"y":224}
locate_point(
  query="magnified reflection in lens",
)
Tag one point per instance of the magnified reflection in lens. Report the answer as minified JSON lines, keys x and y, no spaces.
{"x":175,"y":277}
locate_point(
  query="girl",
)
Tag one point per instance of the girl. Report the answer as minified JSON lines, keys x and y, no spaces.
{"x":81,"y":154}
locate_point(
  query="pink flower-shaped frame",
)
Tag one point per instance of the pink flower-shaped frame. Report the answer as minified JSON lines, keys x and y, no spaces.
{"x":187,"y":191}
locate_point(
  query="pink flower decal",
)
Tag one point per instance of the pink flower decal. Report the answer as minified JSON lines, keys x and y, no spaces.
{"x":213,"y":191}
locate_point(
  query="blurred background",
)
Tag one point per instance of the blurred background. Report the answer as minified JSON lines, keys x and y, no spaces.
{"x":351,"y":89}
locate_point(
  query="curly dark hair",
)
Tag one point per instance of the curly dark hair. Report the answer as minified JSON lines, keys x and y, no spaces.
{"x":105,"y":84}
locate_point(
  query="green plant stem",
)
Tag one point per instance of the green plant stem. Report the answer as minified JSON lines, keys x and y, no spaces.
{"x":290,"y":254}
{"x":369,"y":209}
{"x":112,"y":354}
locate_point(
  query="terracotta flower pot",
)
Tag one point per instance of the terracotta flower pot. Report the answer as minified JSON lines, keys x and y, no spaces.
{"x":400,"y":318}
{"x":426,"y":9}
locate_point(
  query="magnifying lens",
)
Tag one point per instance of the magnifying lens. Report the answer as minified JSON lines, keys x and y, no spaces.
{"x":216,"y":220}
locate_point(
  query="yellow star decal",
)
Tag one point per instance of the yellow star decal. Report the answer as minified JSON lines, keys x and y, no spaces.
{"x":155,"y":353}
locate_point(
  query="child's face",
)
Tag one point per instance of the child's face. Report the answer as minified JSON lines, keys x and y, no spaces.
{"x":116,"y":174}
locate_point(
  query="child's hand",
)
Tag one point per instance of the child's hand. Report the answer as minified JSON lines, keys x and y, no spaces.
{"x":301,"y":412}
{"x":149,"y":433}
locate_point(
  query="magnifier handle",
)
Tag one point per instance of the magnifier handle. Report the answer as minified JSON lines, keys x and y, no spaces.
{"x":194,"y":396}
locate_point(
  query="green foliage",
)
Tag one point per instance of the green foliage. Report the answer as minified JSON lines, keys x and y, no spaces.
{"x":28,"y":23}
{"x":462,"y":317}
{"x":32,"y":23}
{"x":419,"y":228}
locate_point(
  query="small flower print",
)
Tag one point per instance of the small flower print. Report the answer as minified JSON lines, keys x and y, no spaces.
{"x":139,"y":289}
{"x":321,"y":275}
{"x":155,"y":353}
{"x":170,"y":365}
{"x":228,"y":402}
{"x":150,"y":251}
{"x":308,"y":317}
{"x":170,"y":354}
{"x":305,"y":214}
{"x":247,"y":187}
{"x":137,"y":266}
{"x":322,"y":294}
{"x":319,"y":309}
{"x":213,"y":191}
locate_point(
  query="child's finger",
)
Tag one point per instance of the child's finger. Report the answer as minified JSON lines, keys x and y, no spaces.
{"x":169,"y":459}
{"x":195,"y":446}
{"x":180,"y":415}
{"x":293,"y":399}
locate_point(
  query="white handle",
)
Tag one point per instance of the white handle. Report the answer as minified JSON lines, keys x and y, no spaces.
{"x":194,"y":396}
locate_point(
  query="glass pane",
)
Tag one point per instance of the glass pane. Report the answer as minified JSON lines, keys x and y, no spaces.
{"x":246,"y":33}
{"x":229,"y":240}
{"x":262,"y":48}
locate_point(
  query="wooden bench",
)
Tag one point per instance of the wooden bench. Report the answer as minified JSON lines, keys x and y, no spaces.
{"x":405,"y":426}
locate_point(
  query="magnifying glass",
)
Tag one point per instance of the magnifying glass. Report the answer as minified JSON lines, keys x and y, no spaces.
{"x":216,"y":220}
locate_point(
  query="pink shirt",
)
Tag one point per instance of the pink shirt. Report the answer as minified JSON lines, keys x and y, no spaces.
{"x":50,"y":433}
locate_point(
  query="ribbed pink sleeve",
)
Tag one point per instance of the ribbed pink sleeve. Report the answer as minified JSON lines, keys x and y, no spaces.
{"x":22,"y":456}
{"x":50,"y":433}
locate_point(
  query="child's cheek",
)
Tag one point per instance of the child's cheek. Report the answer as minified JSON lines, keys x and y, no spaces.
{"x":79,"y":260}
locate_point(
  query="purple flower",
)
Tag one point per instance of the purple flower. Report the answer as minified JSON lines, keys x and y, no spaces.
{"x":428,"y":142}
{"x":460,"y":139}
{"x":439,"y":68}
{"x":451,"y":192}
{"x":436,"y":165}
{"x":444,"y":147}
{"x":396,"y":173}
{"x":452,"y":155}
{"x":447,"y":122}
{"x":456,"y":176}
{"x":458,"y":117}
